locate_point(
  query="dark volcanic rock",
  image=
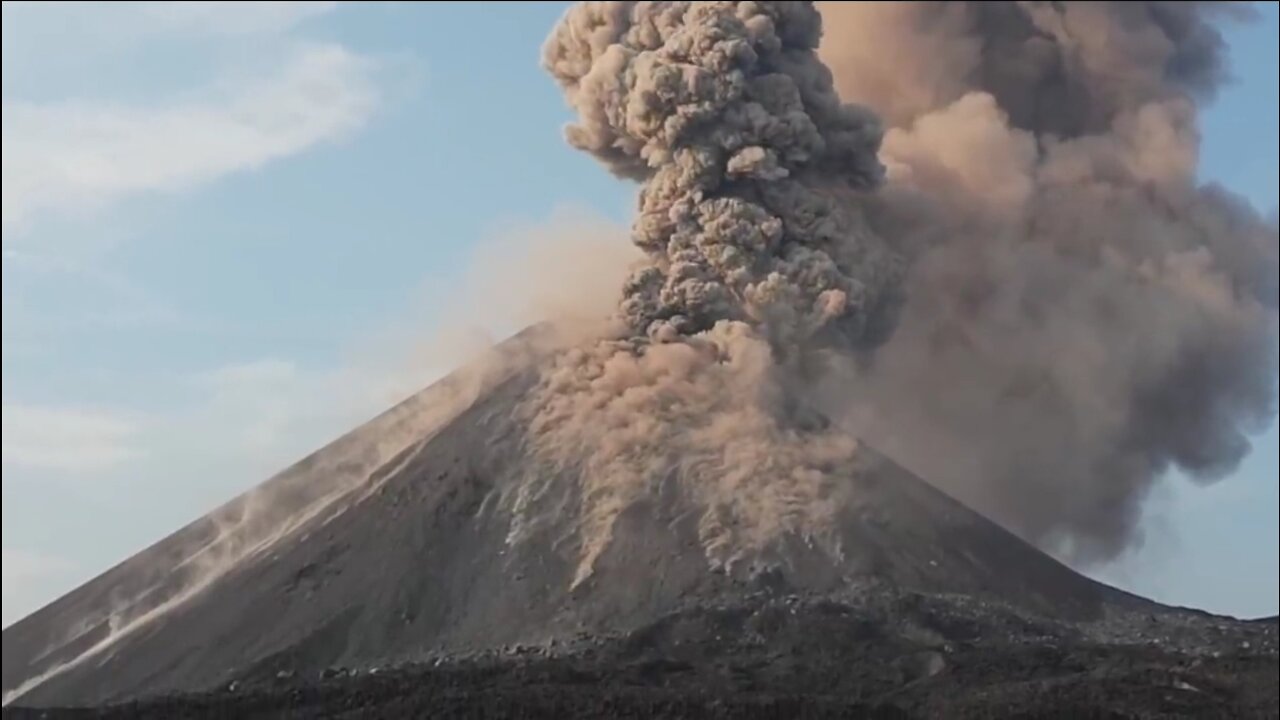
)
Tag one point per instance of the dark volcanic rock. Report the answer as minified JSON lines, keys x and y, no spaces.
{"x":877,"y":653}
{"x":390,"y":547}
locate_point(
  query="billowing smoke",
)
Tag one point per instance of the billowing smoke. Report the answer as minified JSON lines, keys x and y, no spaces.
{"x":725,"y":113}
{"x":757,"y":255}
{"x":1014,"y":286}
{"x":1081,"y":314}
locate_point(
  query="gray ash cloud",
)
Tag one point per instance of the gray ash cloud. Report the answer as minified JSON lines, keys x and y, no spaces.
{"x":971,"y":234}
{"x":725,"y":114}
{"x":1083,"y":314}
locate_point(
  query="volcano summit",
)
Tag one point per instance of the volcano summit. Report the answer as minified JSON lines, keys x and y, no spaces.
{"x":686,"y":497}
{"x":394,"y":546}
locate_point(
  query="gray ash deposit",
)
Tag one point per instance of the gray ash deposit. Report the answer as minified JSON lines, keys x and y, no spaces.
{"x":999,"y":270}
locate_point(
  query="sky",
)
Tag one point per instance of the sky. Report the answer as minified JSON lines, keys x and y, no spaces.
{"x":233,"y":231}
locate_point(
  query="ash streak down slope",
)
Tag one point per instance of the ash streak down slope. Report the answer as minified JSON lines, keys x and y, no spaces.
{"x":84,"y":626}
{"x":420,"y":561}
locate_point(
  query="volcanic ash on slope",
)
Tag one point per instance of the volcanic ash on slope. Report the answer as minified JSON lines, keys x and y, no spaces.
{"x":684,"y":455}
{"x":418,"y":558}
{"x":757,"y":262}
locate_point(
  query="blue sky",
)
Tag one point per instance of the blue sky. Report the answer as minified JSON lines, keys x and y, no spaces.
{"x":232,"y":232}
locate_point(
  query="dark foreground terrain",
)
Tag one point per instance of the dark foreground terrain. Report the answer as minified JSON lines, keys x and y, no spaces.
{"x":873,"y":653}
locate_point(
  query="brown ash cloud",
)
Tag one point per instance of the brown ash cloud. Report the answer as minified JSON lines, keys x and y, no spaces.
{"x":1083,"y":315}
{"x":970,"y":234}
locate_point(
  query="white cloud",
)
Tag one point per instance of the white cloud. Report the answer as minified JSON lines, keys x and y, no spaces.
{"x":19,"y":565}
{"x":277,"y":411}
{"x":231,"y":18}
{"x":262,"y":401}
{"x":65,"y":439}
{"x":252,"y":374}
{"x":95,"y":29}
{"x":111,"y":298}
{"x":77,"y":154}
{"x":23,"y":573}
{"x":254,"y":417}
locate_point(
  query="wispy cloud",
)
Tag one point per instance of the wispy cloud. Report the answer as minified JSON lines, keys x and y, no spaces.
{"x":68,"y":439}
{"x":92,"y":115}
{"x":94,"y":29}
{"x":77,"y":154}
{"x":276,"y":410}
{"x":231,"y":17}
{"x":112,"y":298}
{"x":24,"y":573}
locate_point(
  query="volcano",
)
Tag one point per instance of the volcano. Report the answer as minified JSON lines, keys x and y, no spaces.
{"x":679,"y":505}
{"x":388,"y":545}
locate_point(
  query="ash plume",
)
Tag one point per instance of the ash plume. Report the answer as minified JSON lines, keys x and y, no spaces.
{"x":1016,"y":286}
{"x":970,"y":234}
{"x":757,"y":257}
{"x":1082,"y":315}
{"x":726,"y":115}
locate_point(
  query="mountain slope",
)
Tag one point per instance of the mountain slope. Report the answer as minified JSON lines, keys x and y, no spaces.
{"x":391,"y":543}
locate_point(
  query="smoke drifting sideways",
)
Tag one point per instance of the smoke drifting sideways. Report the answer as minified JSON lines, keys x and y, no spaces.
{"x":1015,"y":286}
{"x":1082,"y":315}
{"x":757,"y":259}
